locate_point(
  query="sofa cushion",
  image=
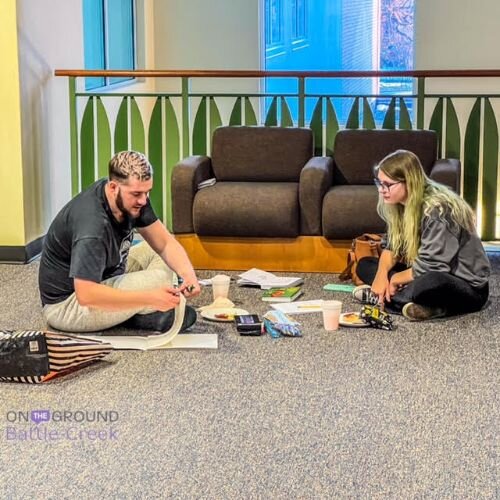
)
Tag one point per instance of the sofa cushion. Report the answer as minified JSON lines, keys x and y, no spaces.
{"x":267,"y":209}
{"x":349,"y":211}
{"x":260,"y":153}
{"x":356,"y":152}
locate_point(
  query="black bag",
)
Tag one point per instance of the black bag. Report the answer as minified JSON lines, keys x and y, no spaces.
{"x":34,"y":356}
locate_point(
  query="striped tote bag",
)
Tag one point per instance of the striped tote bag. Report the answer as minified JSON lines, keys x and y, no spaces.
{"x":33,"y":356}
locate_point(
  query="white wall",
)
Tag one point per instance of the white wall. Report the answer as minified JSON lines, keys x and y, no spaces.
{"x":207,"y":34}
{"x":201,"y":34}
{"x":457,"y":34}
{"x":50,"y":36}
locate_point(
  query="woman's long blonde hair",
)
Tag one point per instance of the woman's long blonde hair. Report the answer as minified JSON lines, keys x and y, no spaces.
{"x":424,"y":195}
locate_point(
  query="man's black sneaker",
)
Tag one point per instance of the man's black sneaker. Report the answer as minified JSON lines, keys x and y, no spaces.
{"x":416,"y":312}
{"x":159,"y":321}
{"x":363,"y":293}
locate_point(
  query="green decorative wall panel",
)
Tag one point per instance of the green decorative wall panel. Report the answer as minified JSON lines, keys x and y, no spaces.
{"x":490,"y":171}
{"x":471,"y":156}
{"x":353,"y":118}
{"x":186,"y":128}
{"x":390,"y":116}
{"x":200,"y":129}
{"x":452,"y":145}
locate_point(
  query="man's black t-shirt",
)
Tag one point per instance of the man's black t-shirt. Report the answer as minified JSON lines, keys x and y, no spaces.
{"x":86,"y":241}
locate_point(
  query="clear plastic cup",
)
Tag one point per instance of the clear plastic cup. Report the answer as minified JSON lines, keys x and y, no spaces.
{"x":220,"y":286}
{"x":331,"y":314}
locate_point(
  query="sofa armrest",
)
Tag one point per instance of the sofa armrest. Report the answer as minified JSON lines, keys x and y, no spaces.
{"x":447,"y":172}
{"x":186,"y":176}
{"x":315,"y":180}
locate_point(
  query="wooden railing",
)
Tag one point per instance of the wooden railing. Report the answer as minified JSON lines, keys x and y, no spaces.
{"x":461,"y":106}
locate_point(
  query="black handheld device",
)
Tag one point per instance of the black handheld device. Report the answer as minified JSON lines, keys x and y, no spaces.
{"x":248,"y":324}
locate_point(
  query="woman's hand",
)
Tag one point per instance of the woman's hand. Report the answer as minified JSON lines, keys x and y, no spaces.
{"x":380,"y":287}
{"x":399,"y":281}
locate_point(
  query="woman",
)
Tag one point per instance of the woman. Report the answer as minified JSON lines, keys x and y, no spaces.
{"x":434,"y":264}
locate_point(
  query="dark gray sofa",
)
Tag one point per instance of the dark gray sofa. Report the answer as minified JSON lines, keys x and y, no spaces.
{"x":276,"y":207}
{"x":349,"y":206}
{"x":268,"y":184}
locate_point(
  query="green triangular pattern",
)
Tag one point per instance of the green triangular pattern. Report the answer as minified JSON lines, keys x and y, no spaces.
{"x":390,"y":116}
{"x":103,"y":139}
{"x":200,"y":129}
{"x":332,"y":127}
{"x":286,"y":116}
{"x":235,"y":118}
{"x":436,"y":124}
{"x":368,"y":120}
{"x":87,"y":145}
{"x":471,"y":155}
{"x":215,"y":119}
{"x":121,"y":127}
{"x":452,"y":145}
{"x":353,"y":119}
{"x":137,"y":136}
{"x":173,"y":152}
{"x":490,"y":173}
{"x":250,"y":117}
{"x":404,"y":115}
{"x":272,"y":114}
{"x":316,"y":126}
{"x":155,"y":148}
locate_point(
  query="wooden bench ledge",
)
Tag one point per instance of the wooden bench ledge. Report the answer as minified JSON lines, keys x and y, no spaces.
{"x":302,"y":254}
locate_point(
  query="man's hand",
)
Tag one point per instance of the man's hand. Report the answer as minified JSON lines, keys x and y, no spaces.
{"x":174,"y":255}
{"x":164,"y":298}
{"x":190,"y":289}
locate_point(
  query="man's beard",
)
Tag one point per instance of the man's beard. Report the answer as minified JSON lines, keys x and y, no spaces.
{"x":121,"y":207}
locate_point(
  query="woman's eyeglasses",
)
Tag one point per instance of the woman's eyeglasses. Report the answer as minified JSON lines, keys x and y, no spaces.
{"x":385,"y":186}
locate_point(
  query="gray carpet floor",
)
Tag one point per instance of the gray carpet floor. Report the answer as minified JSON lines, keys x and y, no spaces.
{"x":356,"y":413}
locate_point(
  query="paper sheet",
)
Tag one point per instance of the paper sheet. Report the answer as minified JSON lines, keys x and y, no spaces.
{"x":167,"y":340}
{"x":266,"y":280}
{"x":299,"y":307}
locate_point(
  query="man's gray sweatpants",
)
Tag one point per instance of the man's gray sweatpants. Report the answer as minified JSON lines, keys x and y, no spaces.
{"x":145,"y":270}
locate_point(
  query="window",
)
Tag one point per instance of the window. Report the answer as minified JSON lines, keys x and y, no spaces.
{"x":299,"y":23}
{"x":340,"y":35}
{"x":274,"y":23}
{"x":109,"y":39}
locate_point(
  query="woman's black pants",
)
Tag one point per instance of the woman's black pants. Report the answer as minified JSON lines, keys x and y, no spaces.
{"x":432,"y":289}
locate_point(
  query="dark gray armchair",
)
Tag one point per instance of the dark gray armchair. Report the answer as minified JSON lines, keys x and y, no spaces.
{"x":268,"y":184}
{"x":349,"y":206}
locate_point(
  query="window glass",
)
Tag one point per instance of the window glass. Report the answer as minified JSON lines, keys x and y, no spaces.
{"x":109,"y":38}
{"x":93,"y":36}
{"x":120,"y":36}
{"x":340,"y":35}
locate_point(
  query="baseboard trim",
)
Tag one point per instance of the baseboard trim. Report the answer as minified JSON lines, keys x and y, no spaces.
{"x":21,"y":254}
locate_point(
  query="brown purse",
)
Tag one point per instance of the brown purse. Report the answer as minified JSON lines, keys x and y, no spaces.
{"x":366,"y":245}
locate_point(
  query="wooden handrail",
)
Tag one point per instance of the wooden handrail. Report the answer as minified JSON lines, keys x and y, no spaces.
{"x":460,"y":73}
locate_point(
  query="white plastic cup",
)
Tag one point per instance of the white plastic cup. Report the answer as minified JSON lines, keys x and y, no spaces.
{"x":220,"y":286}
{"x":331,"y":314}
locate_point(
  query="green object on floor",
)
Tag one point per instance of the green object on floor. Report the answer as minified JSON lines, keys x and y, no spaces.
{"x":333,"y":287}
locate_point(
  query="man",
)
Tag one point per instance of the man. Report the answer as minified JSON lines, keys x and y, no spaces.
{"x":91,"y":278}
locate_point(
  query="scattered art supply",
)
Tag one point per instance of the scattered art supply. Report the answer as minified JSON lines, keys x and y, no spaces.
{"x":334,"y":287}
{"x":288,"y":294}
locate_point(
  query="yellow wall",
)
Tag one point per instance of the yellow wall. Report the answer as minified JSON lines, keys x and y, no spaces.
{"x":11,"y":169}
